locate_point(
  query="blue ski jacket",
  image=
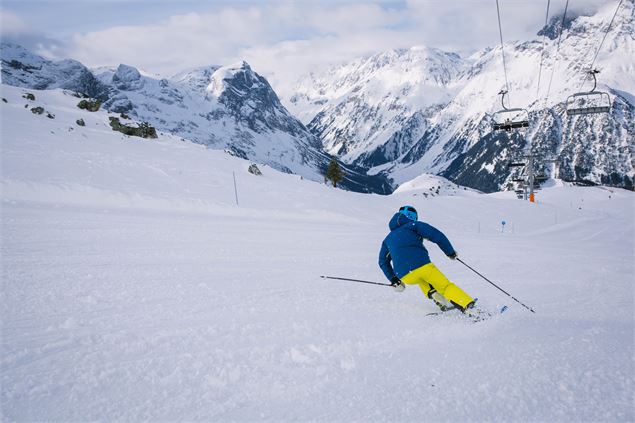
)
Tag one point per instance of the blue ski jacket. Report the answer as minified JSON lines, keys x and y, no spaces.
{"x":403,"y":246}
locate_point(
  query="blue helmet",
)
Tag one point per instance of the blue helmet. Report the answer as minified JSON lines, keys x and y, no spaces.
{"x":409,"y":211}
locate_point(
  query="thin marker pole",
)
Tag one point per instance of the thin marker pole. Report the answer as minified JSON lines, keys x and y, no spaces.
{"x":235,"y":189}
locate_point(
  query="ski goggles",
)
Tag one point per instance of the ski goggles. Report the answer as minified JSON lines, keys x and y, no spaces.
{"x":408,"y":211}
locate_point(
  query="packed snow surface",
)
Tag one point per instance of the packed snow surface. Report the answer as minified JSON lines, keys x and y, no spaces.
{"x":135,"y":288}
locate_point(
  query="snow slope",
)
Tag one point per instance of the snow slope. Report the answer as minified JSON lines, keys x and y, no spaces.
{"x":134,"y":289}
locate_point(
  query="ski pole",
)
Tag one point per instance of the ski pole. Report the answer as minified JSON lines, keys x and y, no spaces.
{"x":501,"y":289}
{"x":355,"y":280}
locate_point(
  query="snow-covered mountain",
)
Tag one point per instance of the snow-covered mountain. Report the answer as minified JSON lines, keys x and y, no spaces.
{"x":223,"y":107}
{"x":361,"y":107}
{"x":407,"y":112}
{"x":395,"y":115}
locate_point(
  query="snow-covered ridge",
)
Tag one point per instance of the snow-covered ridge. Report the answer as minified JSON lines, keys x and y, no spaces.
{"x":196,"y":78}
{"x":397,"y":71}
{"x":354,"y":108}
{"x":23,"y":69}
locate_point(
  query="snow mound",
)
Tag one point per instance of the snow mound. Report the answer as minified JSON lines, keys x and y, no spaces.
{"x":429,"y":185}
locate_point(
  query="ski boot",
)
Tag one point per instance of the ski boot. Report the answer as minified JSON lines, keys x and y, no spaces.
{"x":440,"y":300}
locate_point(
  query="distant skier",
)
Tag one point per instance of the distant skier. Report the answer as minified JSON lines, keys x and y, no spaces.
{"x":403,"y":246}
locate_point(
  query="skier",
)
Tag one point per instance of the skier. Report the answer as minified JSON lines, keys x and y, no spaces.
{"x":411,"y":263}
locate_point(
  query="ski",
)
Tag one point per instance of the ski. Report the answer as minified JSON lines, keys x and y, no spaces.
{"x":474,"y":314}
{"x":445,"y":310}
{"x":437,"y":313}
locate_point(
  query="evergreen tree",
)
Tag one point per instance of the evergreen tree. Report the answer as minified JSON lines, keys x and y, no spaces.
{"x":334,"y":172}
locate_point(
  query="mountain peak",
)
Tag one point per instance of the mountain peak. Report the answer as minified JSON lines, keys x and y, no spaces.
{"x":127,"y":78}
{"x":245,"y":66}
{"x":556,"y":25}
{"x":198,"y":78}
{"x":221,"y":77}
{"x":239,"y":66}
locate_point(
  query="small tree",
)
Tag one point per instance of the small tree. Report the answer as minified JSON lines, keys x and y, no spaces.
{"x":334,"y":172}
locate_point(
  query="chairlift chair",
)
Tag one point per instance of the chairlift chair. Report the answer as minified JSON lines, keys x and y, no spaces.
{"x":589,"y":102}
{"x":508,"y":119}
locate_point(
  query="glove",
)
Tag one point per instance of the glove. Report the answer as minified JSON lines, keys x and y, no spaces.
{"x":396,"y":283}
{"x":453,"y":256}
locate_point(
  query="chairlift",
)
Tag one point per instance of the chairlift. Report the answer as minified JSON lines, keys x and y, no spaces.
{"x":508,"y":119}
{"x":514,"y":164}
{"x":590,"y":102}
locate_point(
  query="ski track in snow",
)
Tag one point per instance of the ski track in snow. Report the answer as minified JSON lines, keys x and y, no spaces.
{"x":133,"y":289}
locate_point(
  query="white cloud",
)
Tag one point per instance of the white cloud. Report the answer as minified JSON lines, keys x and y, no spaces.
{"x":11,"y":24}
{"x":283,"y":40}
{"x":14,"y":29}
{"x":167,"y":47}
{"x":196,"y":39}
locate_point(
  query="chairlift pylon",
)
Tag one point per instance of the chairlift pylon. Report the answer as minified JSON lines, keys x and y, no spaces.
{"x":508,"y":119}
{"x":589,"y":102}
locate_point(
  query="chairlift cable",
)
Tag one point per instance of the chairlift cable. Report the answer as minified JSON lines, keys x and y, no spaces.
{"x":553,"y":68}
{"x":507,"y":122}
{"x":601,"y":43}
{"x":500,"y":31}
{"x":542,"y":53}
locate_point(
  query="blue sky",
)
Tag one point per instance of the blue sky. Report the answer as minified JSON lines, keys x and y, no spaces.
{"x":280,"y":39}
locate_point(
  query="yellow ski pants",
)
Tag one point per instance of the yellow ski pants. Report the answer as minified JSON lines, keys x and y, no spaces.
{"x":429,"y":278}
